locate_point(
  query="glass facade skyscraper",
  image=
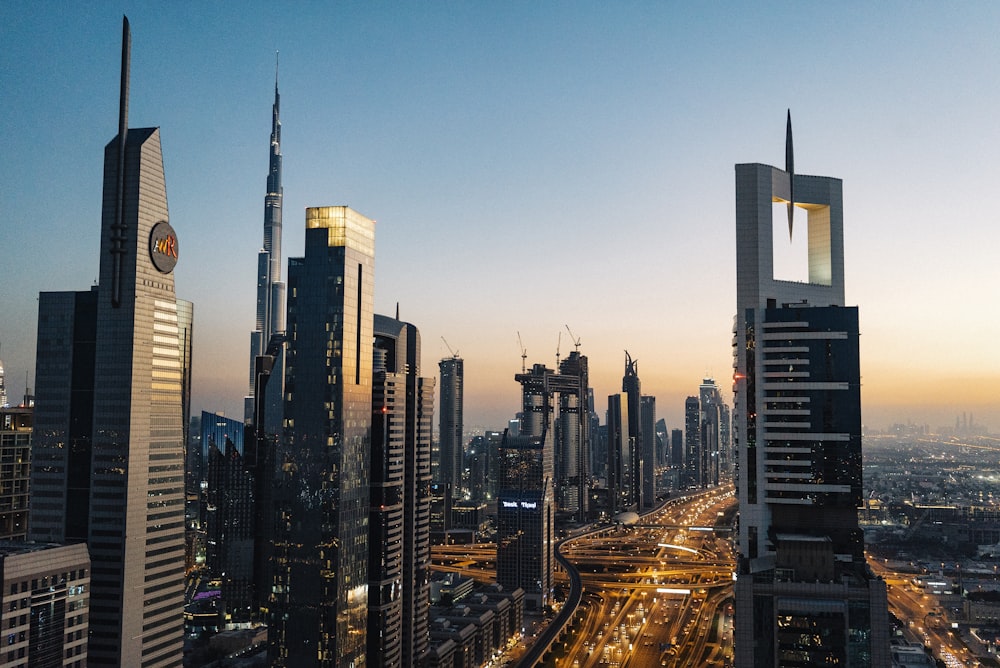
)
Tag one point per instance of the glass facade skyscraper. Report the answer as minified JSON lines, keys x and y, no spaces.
{"x":319,"y":601}
{"x":450,"y":428}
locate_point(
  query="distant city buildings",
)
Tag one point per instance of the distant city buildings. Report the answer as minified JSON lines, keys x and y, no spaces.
{"x":804,"y":592}
{"x":318,"y":612}
{"x":109,"y":423}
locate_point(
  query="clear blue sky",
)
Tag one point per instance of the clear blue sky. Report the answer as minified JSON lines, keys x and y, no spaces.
{"x":530,"y":165}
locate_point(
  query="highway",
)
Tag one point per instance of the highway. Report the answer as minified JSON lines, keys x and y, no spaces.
{"x":924,"y":619}
{"x":655,"y":594}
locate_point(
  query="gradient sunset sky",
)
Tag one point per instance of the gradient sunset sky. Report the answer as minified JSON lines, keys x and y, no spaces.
{"x":530,"y":165}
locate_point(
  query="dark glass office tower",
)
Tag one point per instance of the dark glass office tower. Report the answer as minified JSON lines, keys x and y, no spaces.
{"x":399,"y":561}
{"x":319,"y":602}
{"x":618,"y":439}
{"x":230,"y":514}
{"x":109,"y":451}
{"x":804,"y":593}
{"x":450,"y":438}
{"x":692,"y":441}
{"x":647,"y":425}
{"x":632,"y":388}
{"x":525,"y":540}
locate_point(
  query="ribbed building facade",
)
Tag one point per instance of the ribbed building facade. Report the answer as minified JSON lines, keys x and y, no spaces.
{"x":399,"y":538}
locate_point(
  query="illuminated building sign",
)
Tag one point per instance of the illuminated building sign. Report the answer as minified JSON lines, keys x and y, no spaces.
{"x":163,"y":247}
{"x":524,"y":504}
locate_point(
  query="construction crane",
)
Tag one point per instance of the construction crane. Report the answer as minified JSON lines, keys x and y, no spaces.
{"x":524,"y":354}
{"x":558,"y":343}
{"x":575,"y":340}
{"x":454,"y":353}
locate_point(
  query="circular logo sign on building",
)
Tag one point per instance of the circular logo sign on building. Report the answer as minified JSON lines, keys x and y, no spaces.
{"x":163,"y":247}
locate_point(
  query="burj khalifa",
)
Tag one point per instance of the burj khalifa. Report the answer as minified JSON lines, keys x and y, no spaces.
{"x":270,"y":288}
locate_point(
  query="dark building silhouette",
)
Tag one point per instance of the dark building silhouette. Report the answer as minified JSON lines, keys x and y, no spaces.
{"x":450,"y":430}
{"x":647,"y":427}
{"x":230,"y":515}
{"x":676,"y":448}
{"x":692,"y":441}
{"x":318,"y":613}
{"x":633,"y":476}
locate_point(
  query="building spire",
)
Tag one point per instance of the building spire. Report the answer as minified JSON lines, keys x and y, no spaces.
{"x":790,"y":168}
{"x":118,"y":228}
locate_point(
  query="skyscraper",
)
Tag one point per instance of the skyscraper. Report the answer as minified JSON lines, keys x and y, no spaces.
{"x":647,"y":427}
{"x":542,"y":390}
{"x":450,"y":427}
{"x":634,"y":468}
{"x":230,"y":515}
{"x":692,"y":441}
{"x":270,"y":290}
{"x":618,"y":439}
{"x":399,"y":561}
{"x":525,"y":539}
{"x":109,"y":455}
{"x":572,"y":384}
{"x":710,"y":400}
{"x":804,"y":593}
{"x":319,"y":602}
{"x":15,"y":453}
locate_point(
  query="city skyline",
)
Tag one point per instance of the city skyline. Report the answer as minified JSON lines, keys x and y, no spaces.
{"x":495,"y":144}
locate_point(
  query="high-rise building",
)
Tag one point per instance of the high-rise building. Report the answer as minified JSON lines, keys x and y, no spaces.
{"x":804,"y":593}
{"x":109,"y":434}
{"x":647,"y":427}
{"x":3,"y":388}
{"x":525,"y":540}
{"x":15,"y":455}
{"x":542,"y":390}
{"x":230,"y":514}
{"x":270,"y":318}
{"x":44,"y":604}
{"x":676,"y":448}
{"x":618,"y":439}
{"x":633,"y":476}
{"x":399,"y":519}
{"x":450,"y":428}
{"x":710,"y":400}
{"x":692,"y":441}
{"x":572,"y":469}
{"x":318,"y":612}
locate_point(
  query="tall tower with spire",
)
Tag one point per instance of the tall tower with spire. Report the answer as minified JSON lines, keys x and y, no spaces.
{"x":804,"y":592}
{"x":270,"y":288}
